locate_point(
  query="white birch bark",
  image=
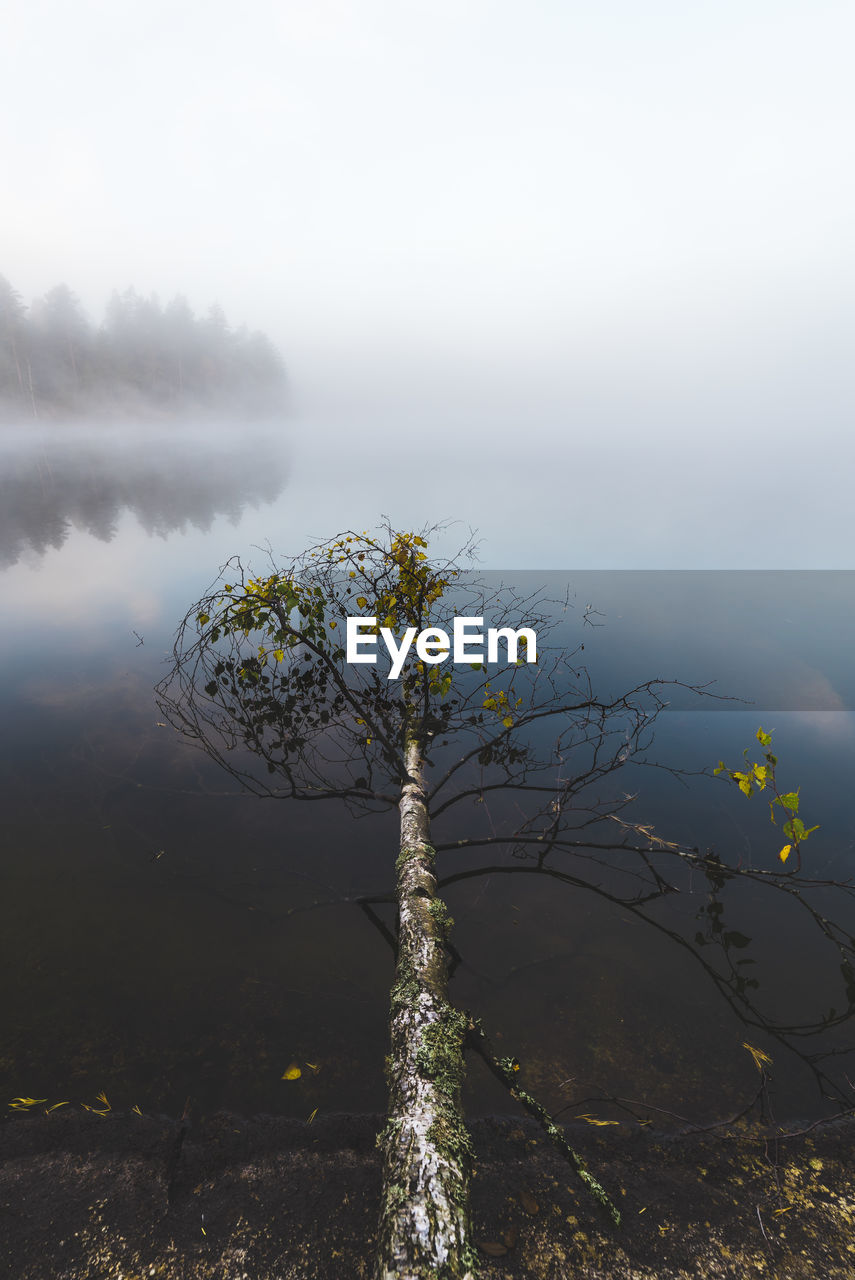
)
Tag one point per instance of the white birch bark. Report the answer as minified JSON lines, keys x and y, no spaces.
{"x":424,"y":1222}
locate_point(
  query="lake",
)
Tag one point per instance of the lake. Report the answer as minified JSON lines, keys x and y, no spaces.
{"x":166,"y":936}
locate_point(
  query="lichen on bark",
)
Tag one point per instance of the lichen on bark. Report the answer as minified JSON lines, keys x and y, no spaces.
{"x":425,"y":1228}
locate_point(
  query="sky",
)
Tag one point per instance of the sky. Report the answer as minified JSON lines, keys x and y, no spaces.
{"x":609,"y":242}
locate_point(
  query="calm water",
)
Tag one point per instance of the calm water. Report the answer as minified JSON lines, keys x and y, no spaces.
{"x":165,"y":936}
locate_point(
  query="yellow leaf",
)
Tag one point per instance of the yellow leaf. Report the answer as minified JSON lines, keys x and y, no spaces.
{"x":508,"y":722}
{"x":27,"y":1102}
{"x":594,"y":1120}
{"x":292,"y":1072}
{"x":760,"y":1058}
{"x":362,"y":602}
{"x":785,"y":852}
{"x":279,"y":655}
{"x":312,"y":1116}
{"x":54,"y":1107}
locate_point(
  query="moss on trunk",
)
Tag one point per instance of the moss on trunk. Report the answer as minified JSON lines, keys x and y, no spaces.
{"x":425,"y":1226}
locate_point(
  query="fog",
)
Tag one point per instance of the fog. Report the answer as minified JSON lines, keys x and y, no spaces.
{"x":579,"y":275}
{"x":53,"y":483}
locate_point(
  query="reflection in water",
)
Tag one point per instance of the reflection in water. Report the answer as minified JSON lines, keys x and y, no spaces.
{"x":549,"y":794}
{"x":50,"y":484}
{"x":163,"y":936}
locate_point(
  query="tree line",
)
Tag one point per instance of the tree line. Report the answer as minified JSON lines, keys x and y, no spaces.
{"x":144,"y":358}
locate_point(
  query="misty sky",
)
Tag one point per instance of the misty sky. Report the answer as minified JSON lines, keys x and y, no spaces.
{"x":612,"y":240}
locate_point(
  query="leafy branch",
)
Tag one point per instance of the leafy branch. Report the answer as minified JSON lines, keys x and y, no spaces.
{"x":757,"y":777}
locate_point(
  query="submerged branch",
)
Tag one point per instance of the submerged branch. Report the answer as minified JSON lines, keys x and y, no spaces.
{"x":504,"y":1070}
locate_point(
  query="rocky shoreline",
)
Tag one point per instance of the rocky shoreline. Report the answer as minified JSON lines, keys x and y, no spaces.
{"x":126,"y":1196}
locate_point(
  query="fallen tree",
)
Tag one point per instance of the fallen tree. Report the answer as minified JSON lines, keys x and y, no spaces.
{"x":273,"y":680}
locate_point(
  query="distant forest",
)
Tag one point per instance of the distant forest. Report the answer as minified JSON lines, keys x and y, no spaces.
{"x":144,"y":359}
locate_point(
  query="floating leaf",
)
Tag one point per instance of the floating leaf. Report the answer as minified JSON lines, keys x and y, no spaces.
{"x":760,"y":1058}
{"x":292,"y":1072}
{"x":312,"y":1116}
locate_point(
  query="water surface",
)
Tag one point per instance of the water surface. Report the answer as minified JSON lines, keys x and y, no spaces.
{"x":165,"y":935}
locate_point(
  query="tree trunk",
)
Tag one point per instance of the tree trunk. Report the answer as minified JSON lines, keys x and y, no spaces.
{"x":424,"y":1220}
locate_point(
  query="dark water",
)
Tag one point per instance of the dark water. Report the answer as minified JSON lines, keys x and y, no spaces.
{"x":165,"y":936}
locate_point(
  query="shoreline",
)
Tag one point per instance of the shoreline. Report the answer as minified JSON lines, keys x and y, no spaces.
{"x":267,"y":1198}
